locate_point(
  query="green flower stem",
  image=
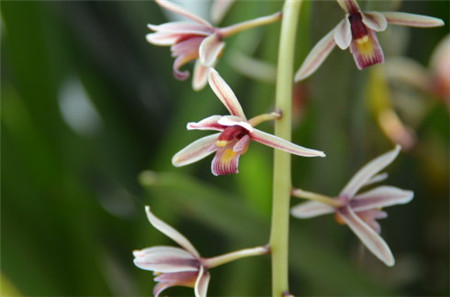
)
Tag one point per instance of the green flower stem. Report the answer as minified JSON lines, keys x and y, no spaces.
{"x":229,"y":257}
{"x":282,"y":161}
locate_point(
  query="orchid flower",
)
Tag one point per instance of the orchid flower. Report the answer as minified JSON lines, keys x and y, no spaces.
{"x":235,"y":134}
{"x":197,"y":40}
{"x":359,"y":211}
{"x":357,"y":31}
{"x":183,"y":266}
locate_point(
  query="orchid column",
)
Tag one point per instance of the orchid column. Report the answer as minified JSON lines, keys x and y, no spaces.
{"x":279,"y":234}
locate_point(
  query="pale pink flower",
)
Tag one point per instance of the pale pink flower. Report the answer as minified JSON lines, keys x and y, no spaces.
{"x":198,"y":40}
{"x":235,"y":134}
{"x":358,"y":31}
{"x":173,"y":266}
{"x":360,"y":211}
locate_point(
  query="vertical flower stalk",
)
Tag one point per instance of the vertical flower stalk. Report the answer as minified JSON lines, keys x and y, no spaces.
{"x":282,"y":162}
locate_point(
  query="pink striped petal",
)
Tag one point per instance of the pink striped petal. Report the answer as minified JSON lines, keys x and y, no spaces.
{"x":374,"y":20}
{"x":170,"y":232}
{"x":167,"y":280}
{"x":210,"y":49}
{"x":225,"y":94}
{"x":226,"y":160}
{"x":185,"y":28}
{"x":368,"y":171}
{"x":316,"y":57}
{"x":200,"y":78}
{"x":343,"y":34}
{"x":381,"y":197}
{"x":195,"y":151}
{"x":181,"y":11}
{"x":411,"y":20}
{"x":201,"y":285}
{"x":366,"y":50}
{"x":235,"y":121}
{"x":367,"y":235}
{"x":162,"y":38}
{"x":349,"y":6}
{"x":210,"y":123}
{"x":284,"y":145}
{"x":310,"y":209}
{"x":165,"y":259}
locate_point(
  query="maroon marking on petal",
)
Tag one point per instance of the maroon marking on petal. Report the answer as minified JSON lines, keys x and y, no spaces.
{"x":366,"y":50}
{"x":226,"y":160}
{"x":232,"y":132}
{"x":359,"y":30}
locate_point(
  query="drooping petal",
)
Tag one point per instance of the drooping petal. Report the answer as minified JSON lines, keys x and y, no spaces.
{"x":367,"y":235}
{"x":184,"y":51}
{"x":343,"y":34}
{"x":374,"y":20}
{"x":371,"y":216}
{"x":380,"y":197}
{"x":200,"y":77}
{"x":368,"y":171}
{"x":170,"y":232}
{"x":316,"y":57}
{"x":235,"y":121}
{"x":167,"y":280}
{"x":366,"y":50}
{"x":225,"y":94}
{"x":226,"y":160}
{"x":195,"y":151}
{"x":219,"y":9}
{"x":210,"y":123}
{"x":284,"y":145}
{"x":349,"y":6}
{"x":411,"y":20}
{"x":165,"y":259}
{"x":310,"y":209}
{"x":201,"y":285}
{"x":210,"y":49}
{"x":182,"y":28}
{"x":181,"y":11}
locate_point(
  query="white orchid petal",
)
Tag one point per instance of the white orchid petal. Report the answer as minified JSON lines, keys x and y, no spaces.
{"x":284,"y":145}
{"x":376,"y":179}
{"x":170,"y":232}
{"x":165,"y":259}
{"x":375,"y":21}
{"x":182,"y":28}
{"x":181,"y":11}
{"x":343,"y":34}
{"x":210,"y":49}
{"x":316,"y":57}
{"x":381,"y":197}
{"x":368,"y":236}
{"x":411,"y":20}
{"x":200,"y":77}
{"x":310,"y":209}
{"x":201,"y":285}
{"x":225,"y":94}
{"x":235,"y":121}
{"x":349,"y":6}
{"x":368,"y":171}
{"x":162,"y":38}
{"x":209,"y":123}
{"x":195,"y":151}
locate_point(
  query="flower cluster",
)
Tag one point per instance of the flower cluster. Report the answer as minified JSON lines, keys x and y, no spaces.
{"x":199,"y":41}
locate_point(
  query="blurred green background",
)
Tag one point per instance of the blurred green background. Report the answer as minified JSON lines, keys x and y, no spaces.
{"x":91,"y":116}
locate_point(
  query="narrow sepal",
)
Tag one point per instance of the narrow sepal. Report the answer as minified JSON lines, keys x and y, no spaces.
{"x":284,"y":145}
{"x":182,"y":28}
{"x":316,"y":57}
{"x":170,"y":232}
{"x":165,"y":259}
{"x":225,"y":94}
{"x":310,"y":209}
{"x":195,"y":151}
{"x":210,"y":49}
{"x":201,"y":285}
{"x":209,"y":123}
{"x":381,"y":197}
{"x":343,"y":34}
{"x":367,"y":235}
{"x":368,"y":171}
{"x":181,"y":11}
{"x":411,"y":20}
{"x":162,"y":38}
{"x":200,"y":77}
